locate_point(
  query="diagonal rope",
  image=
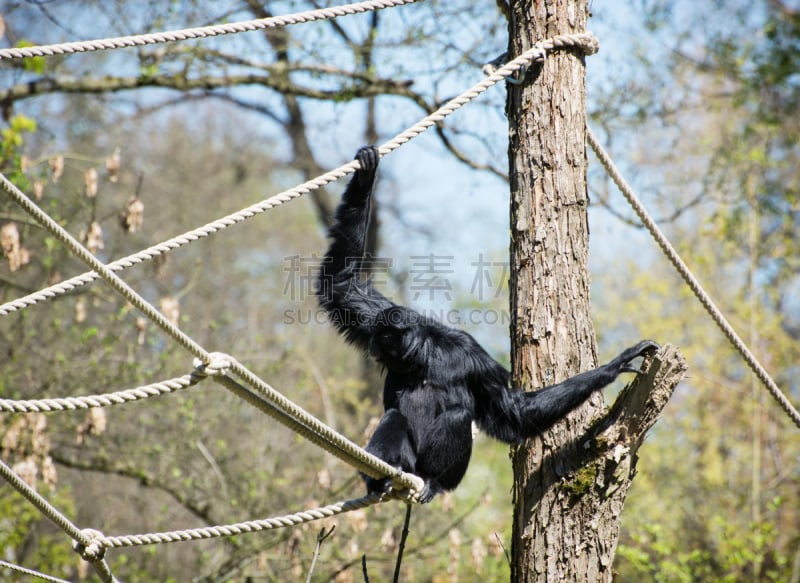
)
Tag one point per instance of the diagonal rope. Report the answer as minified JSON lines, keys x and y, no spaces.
{"x":199,"y":32}
{"x":693,"y":283}
{"x":585,"y":41}
{"x":273,"y":403}
{"x":83,"y":538}
{"x":31,"y":572}
{"x":42,"y":505}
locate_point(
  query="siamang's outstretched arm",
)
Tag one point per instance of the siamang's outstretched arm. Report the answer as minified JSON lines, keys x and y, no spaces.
{"x":349,"y":231}
{"x":344,"y":292}
{"x":512,"y":415}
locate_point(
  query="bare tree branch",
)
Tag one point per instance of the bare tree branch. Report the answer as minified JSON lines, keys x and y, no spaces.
{"x":462,"y":157}
{"x":105,"y":465}
{"x":639,"y":405}
{"x":277,"y":82}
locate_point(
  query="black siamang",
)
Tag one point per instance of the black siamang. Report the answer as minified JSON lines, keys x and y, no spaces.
{"x":438,"y":379}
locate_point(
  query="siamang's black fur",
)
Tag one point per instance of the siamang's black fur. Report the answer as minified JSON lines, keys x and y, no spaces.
{"x":438,"y":379}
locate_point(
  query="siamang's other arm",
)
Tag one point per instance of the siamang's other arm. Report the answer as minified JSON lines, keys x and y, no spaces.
{"x":351,"y":301}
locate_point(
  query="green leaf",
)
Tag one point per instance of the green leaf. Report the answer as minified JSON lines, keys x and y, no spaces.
{"x":32,"y":64}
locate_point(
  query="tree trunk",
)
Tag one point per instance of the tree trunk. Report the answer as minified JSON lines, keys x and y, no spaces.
{"x":569,"y":485}
{"x":552,"y":334}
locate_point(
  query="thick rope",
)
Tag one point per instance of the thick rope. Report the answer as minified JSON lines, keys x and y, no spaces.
{"x":305,"y":424}
{"x":104,"y":571}
{"x":199,"y":32}
{"x":585,"y":41}
{"x":693,"y":283}
{"x":104,"y":400}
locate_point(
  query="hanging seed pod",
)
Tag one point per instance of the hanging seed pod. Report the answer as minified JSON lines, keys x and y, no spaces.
{"x":478,"y":554}
{"x":133,"y":216}
{"x":80,"y":310}
{"x":94,"y":238}
{"x":13,"y":250}
{"x":49,"y":472}
{"x":27,"y":471}
{"x":141,"y":327}
{"x":90,"y":180}
{"x":56,"y":167}
{"x":112,"y":166}
{"x":171,"y":308}
{"x":38,"y":189}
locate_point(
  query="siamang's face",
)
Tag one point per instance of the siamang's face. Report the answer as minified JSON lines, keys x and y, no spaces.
{"x":390,"y":347}
{"x":388,"y":343}
{"x":394,"y":341}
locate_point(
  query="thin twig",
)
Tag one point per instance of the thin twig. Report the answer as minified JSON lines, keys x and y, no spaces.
{"x":364,"y":568}
{"x":320,"y":537}
{"x":402,"y":546}
{"x":502,"y":546}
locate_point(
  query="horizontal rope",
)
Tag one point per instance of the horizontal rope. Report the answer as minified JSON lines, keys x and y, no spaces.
{"x":585,"y":41}
{"x":238,"y":528}
{"x":198,"y":32}
{"x":693,"y":283}
{"x":103,"y":400}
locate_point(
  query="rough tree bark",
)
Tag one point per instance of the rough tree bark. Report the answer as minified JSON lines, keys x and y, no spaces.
{"x":570,"y":484}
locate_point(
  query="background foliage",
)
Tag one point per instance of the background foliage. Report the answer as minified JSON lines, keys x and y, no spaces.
{"x":698,"y":102}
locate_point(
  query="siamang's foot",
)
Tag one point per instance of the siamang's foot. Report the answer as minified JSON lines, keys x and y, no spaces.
{"x":368,"y":157}
{"x":383,"y":486}
{"x":429,"y":491}
{"x":427,"y":494}
{"x":634,"y":352}
{"x":380,"y":486}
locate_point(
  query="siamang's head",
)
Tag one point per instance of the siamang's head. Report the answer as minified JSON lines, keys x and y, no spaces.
{"x":398,"y":338}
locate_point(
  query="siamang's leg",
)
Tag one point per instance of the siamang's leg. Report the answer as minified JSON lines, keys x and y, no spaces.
{"x":391,"y":443}
{"x":443,"y":452}
{"x":541,"y":409}
{"x":605,"y":374}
